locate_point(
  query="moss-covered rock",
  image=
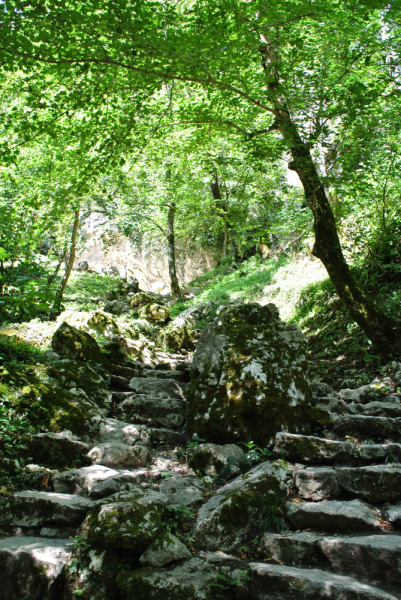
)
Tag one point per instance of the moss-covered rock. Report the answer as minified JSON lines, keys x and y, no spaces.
{"x":76,"y":344}
{"x":97,"y":323}
{"x":155,"y":313}
{"x":212,"y":458}
{"x":249,"y":378}
{"x":127,"y":520}
{"x":234,"y":515}
{"x":81,"y":380}
{"x":195,"y":579}
{"x":143,"y":298}
{"x":167,"y":548}
{"x":180,"y":333}
{"x":47,"y":405}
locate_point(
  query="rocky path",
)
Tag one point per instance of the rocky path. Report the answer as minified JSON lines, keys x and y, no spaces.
{"x":329,"y":504}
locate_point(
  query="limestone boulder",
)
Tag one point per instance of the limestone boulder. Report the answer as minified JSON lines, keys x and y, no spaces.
{"x":82,"y":381}
{"x":127,"y":520}
{"x":97,"y":323}
{"x":212,"y":458}
{"x":155,"y":313}
{"x":119,"y":456}
{"x":31,"y":567}
{"x":81,"y":481}
{"x":50,"y":448}
{"x":182,"y":489}
{"x":235,"y":513}
{"x":141,"y":299}
{"x":166,"y":549}
{"x":195,"y":579}
{"x":32,"y":509}
{"x":75,"y":344}
{"x":117,"y":307}
{"x":178,"y":334}
{"x":249,"y":378}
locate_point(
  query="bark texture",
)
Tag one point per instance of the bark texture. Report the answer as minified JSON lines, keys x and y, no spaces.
{"x":175,"y":287}
{"x":59,"y":294}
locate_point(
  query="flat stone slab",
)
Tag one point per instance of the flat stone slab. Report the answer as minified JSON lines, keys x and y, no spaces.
{"x":375,"y":483}
{"x":364,"y":427}
{"x":31,"y":567}
{"x":278,"y":582}
{"x":32,"y":509}
{"x":81,"y":481}
{"x":332,"y":515}
{"x":310,"y":449}
{"x":153,"y":411}
{"x":393,"y":514}
{"x":375,"y":556}
{"x":124,"y":481}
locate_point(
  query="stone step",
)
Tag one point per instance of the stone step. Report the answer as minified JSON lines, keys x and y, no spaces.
{"x":81,"y":481}
{"x":277,"y":582}
{"x":333,"y":515}
{"x":374,"y":483}
{"x":311,"y":449}
{"x":33,"y":509}
{"x":366,"y":428}
{"x":377,"y":557}
{"x":32,"y":567}
{"x":176,"y":375}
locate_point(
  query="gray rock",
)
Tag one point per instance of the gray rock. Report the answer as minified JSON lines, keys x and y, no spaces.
{"x":80,"y":481}
{"x":127,"y":520}
{"x":163,"y":405}
{"x":332,"y":515}
{"x":293,"y":549}
{"x":311,"y":449}
{"x":50,"y":447}
{"x":61,"y":533}
{"x":193,"y":580}
{"x":119,"y":456}
{"x":362,"y":395}
{"x":79,"y":345}
{"x":124,"y":481}
{"x":382,"y":409}
{"x":249,"y":378}
{"x":112,"y":430}
{"x":374,"y":483}
{"x":318,"y":483}
{"x":168,"y":436}
{"x":164,"y":550}
{"x":155,"y":313}
{"x":375,"y":556}
{"x":275,"y":582}
{"x":51,"y":356}
{"x":33,"y":509}
{"x":234,"y":514}
{"x":117,"y":307}
{"x":363,"y":427}
{"x":140,"y":299}
{"x":393,"y":514}
{"x":320,"y":389}
{"x":182,"y":489}
{"x":178,"y":334}
{"x":199,"y":311}
{"x":31,"y":567}
{"x":176,"y":375}
{"x":212,"y":458}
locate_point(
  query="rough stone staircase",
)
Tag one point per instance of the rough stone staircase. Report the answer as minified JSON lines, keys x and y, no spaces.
{"x":36,"y":527}
{"x":344,"y":509}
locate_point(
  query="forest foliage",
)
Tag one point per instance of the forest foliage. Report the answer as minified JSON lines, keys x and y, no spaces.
{"x":190,"y":115}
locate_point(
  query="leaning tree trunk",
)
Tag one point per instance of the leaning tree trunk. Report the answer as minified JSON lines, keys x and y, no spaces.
{"x":175,"y":287}
{"x":380,"y":329}
{"x":59,"y":294}
{"x":53,"y":276}
{"x":229,"y":234}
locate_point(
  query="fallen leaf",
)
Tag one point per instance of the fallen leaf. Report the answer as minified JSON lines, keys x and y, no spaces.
{"x":45,"y":481}
{"x":297,"y":500}
{"x":3,"y":490}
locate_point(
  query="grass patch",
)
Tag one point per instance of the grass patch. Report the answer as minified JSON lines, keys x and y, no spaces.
{"x":84,"y":290}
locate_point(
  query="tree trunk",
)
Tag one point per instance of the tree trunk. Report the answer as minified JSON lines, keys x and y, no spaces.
{"x":59,"y":295}
{"x":229,"y":234}
{"x":175,"y":287}
{"x":53,"y":276}
{"x":380,"y":329}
